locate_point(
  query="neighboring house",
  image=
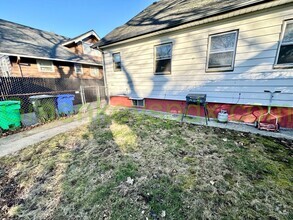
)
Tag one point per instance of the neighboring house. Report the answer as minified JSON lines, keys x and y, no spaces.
{"x":30,"y":52}
{"x":230,"y":50}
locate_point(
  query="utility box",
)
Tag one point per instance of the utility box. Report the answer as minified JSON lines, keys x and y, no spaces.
{"x":65,"y":104}
{"x":44,"y":107}
{"x":9,"y":115}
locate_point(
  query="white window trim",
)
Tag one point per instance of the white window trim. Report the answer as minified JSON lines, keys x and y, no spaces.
{"x":155,"y":58}
{"x":222,"y":69}
{"x":114,"y":62}
{"x":75,"y":65}
{"x":48,"y":71}
{"x":141,"y":106}
{"x":283,"y":65}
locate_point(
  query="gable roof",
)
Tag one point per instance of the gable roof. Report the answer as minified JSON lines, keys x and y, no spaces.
{"x":81,"y":37}
{"x":166,"y":14}
{"x":24,"y":41}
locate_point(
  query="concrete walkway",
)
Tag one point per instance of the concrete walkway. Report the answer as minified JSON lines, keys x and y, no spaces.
{"x":18,"y":141}
{"x":236,"y":126}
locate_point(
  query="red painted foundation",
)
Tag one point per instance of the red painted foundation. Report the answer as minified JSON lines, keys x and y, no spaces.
{"x":241,"y":113}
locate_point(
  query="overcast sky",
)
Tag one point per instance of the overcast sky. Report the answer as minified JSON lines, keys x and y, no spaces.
{"x":72,"y":17}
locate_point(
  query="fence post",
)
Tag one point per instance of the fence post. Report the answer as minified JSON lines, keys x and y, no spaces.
{"x":98,"y":96}
{"x":82,"y":95}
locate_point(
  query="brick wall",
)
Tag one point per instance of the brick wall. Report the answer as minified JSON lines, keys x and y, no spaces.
{"x":29,"y":68}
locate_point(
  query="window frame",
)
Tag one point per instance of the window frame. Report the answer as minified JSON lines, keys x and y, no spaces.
{"x":155,"y":59}
{"x":222,"y":69}
{"x":46,"y":71}
{"x":140,"y":106}
{"x":283,"y":29}
{"x":114,"y":66}
{"x":78,"y":73}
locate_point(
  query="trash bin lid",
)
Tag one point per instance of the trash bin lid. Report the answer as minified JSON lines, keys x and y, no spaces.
{"x":65,"y":96}
{"x":42,"y":96}
{"x":5,"y":103}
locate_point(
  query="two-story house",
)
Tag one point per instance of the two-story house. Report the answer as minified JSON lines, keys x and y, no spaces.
{"x":30,"y":52}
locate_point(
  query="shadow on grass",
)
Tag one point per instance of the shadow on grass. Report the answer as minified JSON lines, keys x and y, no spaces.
{"x":127,"y":165}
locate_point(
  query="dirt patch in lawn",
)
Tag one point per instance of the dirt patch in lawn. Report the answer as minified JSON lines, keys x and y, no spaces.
{"x":132,"y":166}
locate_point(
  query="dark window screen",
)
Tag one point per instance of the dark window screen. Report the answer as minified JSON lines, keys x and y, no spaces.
{"x":286,"y":54}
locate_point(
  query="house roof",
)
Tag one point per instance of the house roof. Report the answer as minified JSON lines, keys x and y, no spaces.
{"x":24,"y":41}
{"x":81,"y":37}
{"x":166,"y":14}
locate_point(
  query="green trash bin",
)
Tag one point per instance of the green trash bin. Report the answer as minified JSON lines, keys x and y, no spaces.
{"x":44,"y":107}
{"x":9,"y":115}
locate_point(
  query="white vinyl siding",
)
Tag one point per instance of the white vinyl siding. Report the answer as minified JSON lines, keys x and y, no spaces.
{"x":257,"y":45}
{"x":45,"y":66}
{"x":78,"y":69}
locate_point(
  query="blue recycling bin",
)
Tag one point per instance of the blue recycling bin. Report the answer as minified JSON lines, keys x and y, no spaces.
{"x":65,"y":104}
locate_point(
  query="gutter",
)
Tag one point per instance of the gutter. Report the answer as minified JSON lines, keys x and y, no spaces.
{"x":231,"y":14}
{"x":46,"y":58}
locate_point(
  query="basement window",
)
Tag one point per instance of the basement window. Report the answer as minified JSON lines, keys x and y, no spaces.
{"x":138,"y":102}
{"x":45,"y":66}
{"x":221,"y":51}
{"x":163,"y":58}
{"x":117,"y":62}
{"x":285,"y":51}
{"x":78,"y":69}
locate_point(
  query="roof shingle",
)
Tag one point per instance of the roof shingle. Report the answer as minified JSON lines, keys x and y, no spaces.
{"x":166,"y":14}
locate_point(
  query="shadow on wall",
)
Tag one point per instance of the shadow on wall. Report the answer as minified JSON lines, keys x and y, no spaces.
{"x":253,"y":73}
{"x":67,"y":74}
{"x":138,"y":93}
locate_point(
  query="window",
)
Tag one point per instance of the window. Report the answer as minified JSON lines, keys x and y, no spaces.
{"x":163,"y":57}
{"x":221,"y":51}
{"x":94,"y":71}
{"x":78,"y":68}
{"x":285,"y":51}
{"x":5,"y":66}
{"x":138,"y":102}
{"x":116,"y":62}
{"x":45,"y":66}
{"x":88,"y":50}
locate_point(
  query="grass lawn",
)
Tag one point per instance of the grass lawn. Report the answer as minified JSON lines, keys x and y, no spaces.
{"x":127,"y":165}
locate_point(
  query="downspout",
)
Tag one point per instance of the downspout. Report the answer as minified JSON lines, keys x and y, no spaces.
{"x":20,"y":70}
{"x":105,"y":78}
